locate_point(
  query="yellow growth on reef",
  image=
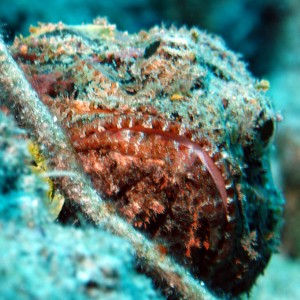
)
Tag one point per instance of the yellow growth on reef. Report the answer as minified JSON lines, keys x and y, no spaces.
{"x":177,"y":97}
{"x":55,"y":199}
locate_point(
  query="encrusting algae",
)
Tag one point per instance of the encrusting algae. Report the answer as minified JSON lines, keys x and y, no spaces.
{"x":174,"y":133}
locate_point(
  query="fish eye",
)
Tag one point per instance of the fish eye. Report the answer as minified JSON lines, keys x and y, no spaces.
{"x":266,"y":131}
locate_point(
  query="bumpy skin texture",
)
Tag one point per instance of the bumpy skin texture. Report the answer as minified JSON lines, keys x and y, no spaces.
{"x":174,"y":133}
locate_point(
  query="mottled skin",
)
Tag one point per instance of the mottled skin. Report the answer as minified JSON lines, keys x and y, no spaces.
{"x":174,"y":132}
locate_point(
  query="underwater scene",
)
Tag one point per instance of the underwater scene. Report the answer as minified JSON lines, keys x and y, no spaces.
{"x":150,"y":149}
